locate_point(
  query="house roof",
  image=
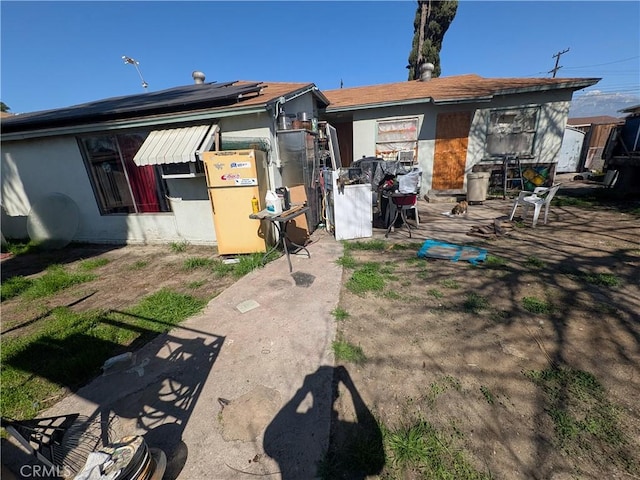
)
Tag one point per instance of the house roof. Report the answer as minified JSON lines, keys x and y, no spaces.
{"x":212,"y":97}
{"x":597,"y":120}
{"x":444,"y":90}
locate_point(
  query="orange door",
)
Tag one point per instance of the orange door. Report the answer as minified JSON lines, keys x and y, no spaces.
{"x":450,"y":157}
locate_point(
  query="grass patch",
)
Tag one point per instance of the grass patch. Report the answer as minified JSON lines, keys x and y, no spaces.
{"x":196,"y":284}
{"x":347,"y":352}
{"x":340,"y":313}
{"x":71,"y":347}
{"x":17,"y":247}
{"x":534,"y":262}
{"x":14,"y":286}
{"x":392,"y":295}
{"x":474,"y":303}
{"x":138,"y":265}
{"x":193,"y":263}
{"x":586,"y":423}
{"x":601,"y":279}
{"x":347,"y":261}
{"x":494,"y":262}
{"x":246,"y":264}
{"x":56,"y":278}
{"x":92,"y":264}
{"x":178,"y":247}
{"x":536,"y":306}
{"x":435,"y":293}
{"x":440,"y":386}
{"x":450,"y":283}
{"x":419,"y":450}
{"x":488,"y":396}
{"x":367,"y":278}
{"x":374,"y":245}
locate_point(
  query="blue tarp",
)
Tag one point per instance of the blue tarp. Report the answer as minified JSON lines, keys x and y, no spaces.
{"x":450,"y":251}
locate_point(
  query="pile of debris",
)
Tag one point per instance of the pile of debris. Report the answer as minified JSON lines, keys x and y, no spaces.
{"x":496,"y":229}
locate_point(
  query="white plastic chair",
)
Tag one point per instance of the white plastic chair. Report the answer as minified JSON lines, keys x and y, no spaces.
{"x":540,"y":197}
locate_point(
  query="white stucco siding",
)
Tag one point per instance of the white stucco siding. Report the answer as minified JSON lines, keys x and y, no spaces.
{"x":553,"y":113}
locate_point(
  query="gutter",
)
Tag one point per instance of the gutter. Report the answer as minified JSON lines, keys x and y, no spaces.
{"x":168,"y":119}
{"x":414,"y":101}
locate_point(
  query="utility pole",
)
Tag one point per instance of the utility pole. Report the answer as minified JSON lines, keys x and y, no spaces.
{"x":557,"y":57}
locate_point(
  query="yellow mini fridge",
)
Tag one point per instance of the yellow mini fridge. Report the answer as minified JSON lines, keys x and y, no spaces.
{"x":234,"y":178}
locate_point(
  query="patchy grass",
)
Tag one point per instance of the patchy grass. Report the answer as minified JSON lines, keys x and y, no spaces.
{"x":534,"y":262}
{"x":193,"y":263}
{"x":536,"y":306}
{"x":70,"y":348}
{"x":340,"y":314}
{"x":602,"y":279}
{"x":435,"y":293}
{"x":450,"y":283}
{"x":488,"y":396}
{"x":179,"y":247}
{"x":138,"y":265}
{"x":92,"y":264}
{"x":375,"y":245}
{"x":196,"y":284}
{"x":18,"y":247}
{"x":474,"y":303}
{"x":347,"y":352}
{"x":418,"y":450}
{"x":347,"y":261}
{"x":366,"y":278}
{"x":586,"y":421}
{"x":56,"y":278}
{"x":439,"y":386}
{"x":493,"y":261}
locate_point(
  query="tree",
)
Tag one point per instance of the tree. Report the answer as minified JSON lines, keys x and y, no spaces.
{"x":4,"y":108}
{"x":431,"y":22}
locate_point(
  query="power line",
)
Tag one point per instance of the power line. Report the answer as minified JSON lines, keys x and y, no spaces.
{"x":602,"y":64}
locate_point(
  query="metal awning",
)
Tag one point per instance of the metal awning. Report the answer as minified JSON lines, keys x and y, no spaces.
{"x":176,"y":145}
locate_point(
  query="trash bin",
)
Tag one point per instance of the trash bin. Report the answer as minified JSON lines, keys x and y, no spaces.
{"x":477,"y":186}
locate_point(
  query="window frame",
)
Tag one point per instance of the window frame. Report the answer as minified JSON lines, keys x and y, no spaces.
{"x":522,"y":129}
{"x":118,"y":157}
{"x":408,"y":143}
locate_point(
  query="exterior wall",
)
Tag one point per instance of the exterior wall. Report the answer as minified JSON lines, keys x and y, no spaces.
{"x":30,"y":169}
{"x":553,"y":114}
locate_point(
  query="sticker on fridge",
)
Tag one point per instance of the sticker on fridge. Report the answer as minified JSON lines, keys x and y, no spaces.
{"x":240,"y":165}
{"x":246,"y":181}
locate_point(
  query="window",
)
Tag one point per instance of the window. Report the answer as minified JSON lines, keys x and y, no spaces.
{"x":512,"y":132}
{"x":119,"y":184}
{"x":395,"y":136}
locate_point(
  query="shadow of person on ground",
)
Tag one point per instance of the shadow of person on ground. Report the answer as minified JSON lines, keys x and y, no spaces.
{"x":294,"y":437}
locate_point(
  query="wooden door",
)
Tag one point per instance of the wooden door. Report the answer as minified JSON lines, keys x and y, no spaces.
{"x":345,"y":142}
{"x":450,"y":157}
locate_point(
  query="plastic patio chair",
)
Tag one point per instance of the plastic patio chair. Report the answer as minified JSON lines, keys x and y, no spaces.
{"x":540,"y":197}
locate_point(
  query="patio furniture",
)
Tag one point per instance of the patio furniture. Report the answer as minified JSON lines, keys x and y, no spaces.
{"x":540,"y":197}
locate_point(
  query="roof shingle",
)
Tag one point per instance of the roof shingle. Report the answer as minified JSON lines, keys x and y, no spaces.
{"x":444,"y":89}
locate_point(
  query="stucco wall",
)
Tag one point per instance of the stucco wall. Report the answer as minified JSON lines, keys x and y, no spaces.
{"x":31,"y":169}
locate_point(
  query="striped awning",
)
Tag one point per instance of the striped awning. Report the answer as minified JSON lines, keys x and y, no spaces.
{"x":175,"y":145}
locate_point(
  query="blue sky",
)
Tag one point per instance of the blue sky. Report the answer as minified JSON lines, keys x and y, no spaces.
{"x":56,"y":54}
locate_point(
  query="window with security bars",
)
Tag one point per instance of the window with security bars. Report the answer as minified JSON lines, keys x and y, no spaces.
{"x":512,"y":132}
{"x":121,"y":186}
{"x":397,"y":139}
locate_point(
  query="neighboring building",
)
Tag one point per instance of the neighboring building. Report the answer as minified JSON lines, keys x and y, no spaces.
{"x":455,"y":125}
{"x":597,"y":130}
{"x":87,"y":153}
{"x":622,"y":153}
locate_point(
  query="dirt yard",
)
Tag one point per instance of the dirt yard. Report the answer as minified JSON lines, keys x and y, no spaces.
{"x":128,"y":274}
{"x":466,"y":348}
{"x":529,"y":362}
